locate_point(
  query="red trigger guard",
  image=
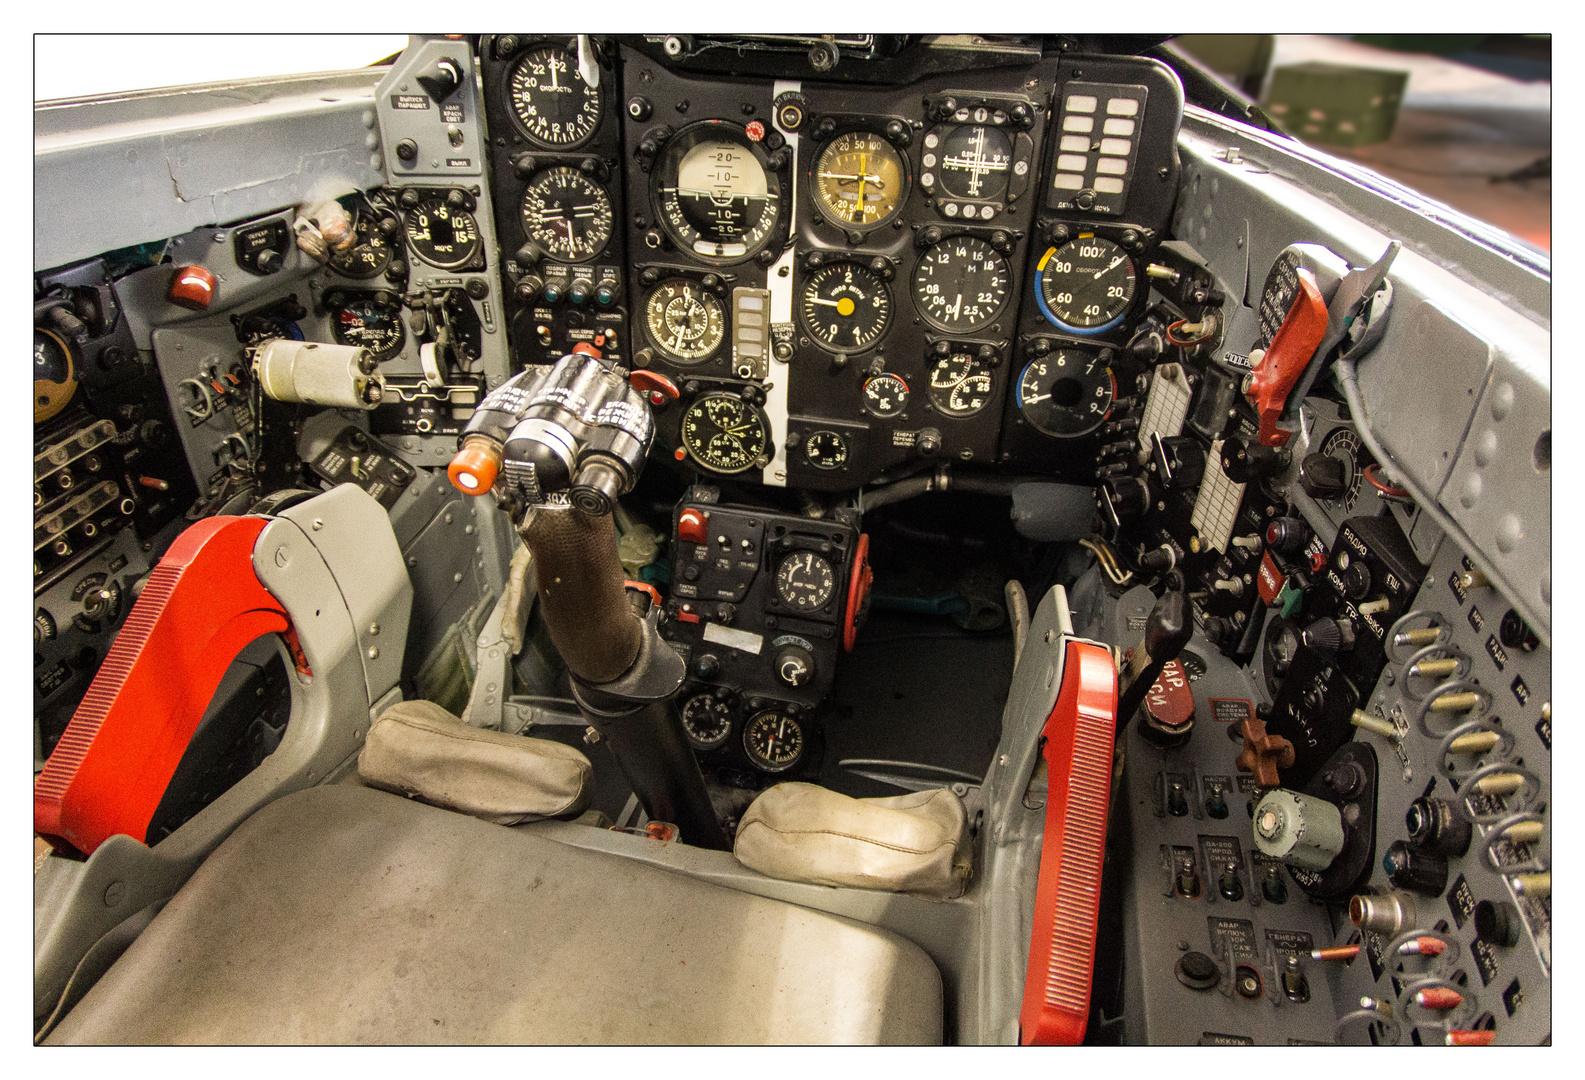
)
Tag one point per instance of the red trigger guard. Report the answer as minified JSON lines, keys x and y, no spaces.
{"x":202,"y":605}
{"x":1290,"y":352}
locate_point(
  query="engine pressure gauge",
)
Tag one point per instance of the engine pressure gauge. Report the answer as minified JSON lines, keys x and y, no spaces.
{"x":567,"y":213}
{"x":859,"y":179}
{"x":550,"y":100}
{"x":961,"y":285}
{"x":724,"y":433}
{"x":845,"y":307}
{"x":885,"y":395}
{"x":1066,"y":393}
{"x":707,"y":721}
{"x":1086,"y":286}
{"x":370,"y":252}
{"x":716,"y":194}
{"x":773,"y":740}
{"x":960,"y":385}
{"x":805,"y":581}
{"x":826,"y":450}
{"x":685,"y":322}
{"x":372,"y":323}
{"x":441,"y":235}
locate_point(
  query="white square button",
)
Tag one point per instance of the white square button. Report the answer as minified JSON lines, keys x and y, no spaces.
{"x":1111,"y":165}
{"x":1069,"y":181}
{"x":1122,"y":107}
{"x":1111,"y":185}
{"x":1120,"y":147}
{"x":1078,"y":123}
{"x":1117,"y":127}
{"x":1081,"y":103}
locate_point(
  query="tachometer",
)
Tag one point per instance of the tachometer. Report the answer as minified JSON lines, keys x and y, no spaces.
{"x":773,"y":740}
{"x":1066,"y":393}
{"x":1086,"y":286}
{"x":859,"y":180}
{"x":685,"y":322}
{"x":960,"y":385}
{"x":724,"y":433}
{"x":555,"y":107}
{"x":960,"y":285}
{"x":716,"y":194}
{"x":846,"y":307}
{"x":805,"y":581}
{"x":442,"y":236}
{"x":567,"y":213}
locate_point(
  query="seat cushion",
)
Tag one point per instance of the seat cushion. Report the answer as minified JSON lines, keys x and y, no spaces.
{"x":343,"y":914}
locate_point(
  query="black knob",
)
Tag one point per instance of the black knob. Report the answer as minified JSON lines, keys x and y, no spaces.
{"x":477,"y":288}
{"x":442,"y":80}
{"x":639,"y":108}
{"x":528,"y":287}
{"x":1356,"y":580}
{"x":407,"y":150}
{"x":929,"y":442}
{"x":929,"y":235}
{"x":1516,"y":634}
{"x":269,"y":261}
{"x":388,"y":226}
{"x":458,"y":199}
{"x":579,"y":291}
{"x":1436,"y":825}
{"x":826,"y":128}
{"x":946,"y":107}
{"x":794,"y":665}
{"x":1245,"y":461}
{"x":1323,"y":476}
{"x":1497,"y":923}
{"x":706,"y":666}
{"x":1287,"y":535}
{"x":1198,"y":971}
{"x":1041,"y":347}
{"x":898,"y":133}
{"x":1084,"y":200}
{"x":1411,"y":868}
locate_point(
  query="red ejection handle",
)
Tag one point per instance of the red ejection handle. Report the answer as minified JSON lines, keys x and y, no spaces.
{"x":1290,"y":351}
{"x":1079,"y":736}
{"x":203,"y":604}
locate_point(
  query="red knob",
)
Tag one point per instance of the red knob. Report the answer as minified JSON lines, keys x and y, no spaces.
{"x":192,"y":287}
{"x":693,"y":526}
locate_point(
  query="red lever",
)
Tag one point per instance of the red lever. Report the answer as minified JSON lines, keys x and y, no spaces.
{"x":202,"y":605}
{"x":1079,"y":737}
{"x":1290,"y":351}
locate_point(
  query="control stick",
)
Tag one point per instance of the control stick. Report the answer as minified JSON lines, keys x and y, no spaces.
{"x":1167,"y":631}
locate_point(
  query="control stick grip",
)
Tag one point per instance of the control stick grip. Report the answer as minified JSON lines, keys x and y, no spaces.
{"x":1167,"y":630}
{"x":581,"y":590}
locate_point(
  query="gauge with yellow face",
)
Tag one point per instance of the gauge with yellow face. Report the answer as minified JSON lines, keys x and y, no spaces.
{"x":860,"y":179}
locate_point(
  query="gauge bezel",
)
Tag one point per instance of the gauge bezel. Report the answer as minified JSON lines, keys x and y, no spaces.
{"x":599,"y":188}
{"x":807,"y":327}
{"x":1038,"y":279}
{"x":347,"y":300}
{"x":439,"y":201}
{"x":864,"y":126}
{"x":665,"y":172}
{"x":765,"y":451}
{"x":761,"y":763}
{"x":511,"y":102}
{"x":1018,"y":393}
{"x":975,"y":328}
{"x":665,"y":351}
{"x":726,"y":732}
{"x":832,"y":571}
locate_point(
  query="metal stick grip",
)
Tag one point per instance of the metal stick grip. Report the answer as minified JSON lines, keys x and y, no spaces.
{"x":580,"y":586}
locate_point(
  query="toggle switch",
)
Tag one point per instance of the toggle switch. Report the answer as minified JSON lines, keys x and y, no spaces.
{"x":1434,"y":669}
{"x":1377,"y":725}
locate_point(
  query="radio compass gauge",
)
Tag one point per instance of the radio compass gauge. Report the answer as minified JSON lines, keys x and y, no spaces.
{"x":885,"y":395}
{"x":960,"y":285}
{"x":555,"y":107}
{"x":1343,"y":444}
{"x":960,"y":385}
{"x":369,"y":323}
{"x":567,"y":213}
{"x":725,"y":434}
{"x":859,"y":180}
{"x":826,"y":450}
{"x":773,"y":740}
{"x":845,"y":307}
{"x":805,"y":581}
{"x":685,"y":322}
{"x":974,"y":162}
{"x":442,"y":236}
{"x":716,"y":194}
{"x":707,"y":721}
{"x":1086,"y":286}
{"x":370,"y":252}
{"x":1066,"y":393}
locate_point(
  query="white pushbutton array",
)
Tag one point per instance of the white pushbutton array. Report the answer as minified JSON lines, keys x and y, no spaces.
{"x":1117,"y":128}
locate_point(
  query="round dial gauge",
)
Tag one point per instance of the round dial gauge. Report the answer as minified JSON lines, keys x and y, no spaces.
{"x":724,"y":433}
{"x":1086,"y":285}
{"x":846,"y":307}
{"x":685,"y":322}
{"x":550,"y":99}
{"x":826,"y":450}
{"x":961,"y":284}
{"x":885,"y":394}
{"x":370,"y":252}
{"x":371,"y":325}
{"x":975,"y":162}
{"x":567,"y":213}
{"x":707,"y":721}
{"x":54,"y":380}
{"x":1066,"y":393}
{"x":442,"y":236}
{"x":716,"y":194}
{"x":859,"y":179}
{"x":773,"y":740}
{"x":805,"y":581}
{"x":960,"y":385}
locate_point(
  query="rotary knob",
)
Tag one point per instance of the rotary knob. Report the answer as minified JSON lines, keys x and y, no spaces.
{"x":794,"y":665}
{"x":1323,"y":476}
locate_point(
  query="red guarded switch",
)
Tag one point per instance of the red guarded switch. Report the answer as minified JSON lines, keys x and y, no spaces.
{"x":192,"y":287}
{"x":693,"y":526}
{"x":1286,"y":357}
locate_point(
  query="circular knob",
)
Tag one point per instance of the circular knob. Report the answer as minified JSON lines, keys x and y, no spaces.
{"x":794,"y":665}
{"x":929,"y":441}
{"x":1287,"y":535}
{"x":407,"y":150}
{"x":1356,"y":580}
{"x":1323,"y":476}
{"x":528,"y":287}
{"x":706,"y":666}
{"x":605,"y":292}
{"x":1409,"y":868}
{"x":1244,"y":461}
{"x":269,"y":261}
{"x":551,"y":292}
{"x":579,"y":291}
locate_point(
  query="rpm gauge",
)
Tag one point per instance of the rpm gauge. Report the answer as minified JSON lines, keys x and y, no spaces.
{"x":805,"y":581}
{"x":567,"y":213}
{"x":859,"y":179}
{"x":441,"y":235}
{"x":725,"y":434}
{"x":773,"y":740}
{"x":685,"y":322}
{"x":961,"y":284}
{"x":960,"y":385}
{"x":370,"y":323}
{"x":555,"y":107}
{"x":846,"y":307}
{"x":370,"y":252}
{"x":1086,"y":286}
{"x":1066,"y":393}
{"x":716,"y":194}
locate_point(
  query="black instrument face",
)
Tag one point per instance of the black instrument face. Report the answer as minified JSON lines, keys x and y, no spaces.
{"x":1086,"y":286}
{"x":370,"y":252}
{"x":555,"y":107}
{"x":826,"y":450}
{"x":724,"y":433}
{"x":845,"y":307}
{"x":961,"y":285}
{"x":960,"y":385}
{"x":885,"y":395}
{"x":686,"y":322}
{"x":716,"y":194}
{"x":974,"y":162}
{"x":773,"y":740}
{"x":1066,"y":393}
{"x":370,"y":324}
{"x":805,"y":581}
{"x":442,"y":236}
{"x":568,"y":214}
{"x":707,"y":721}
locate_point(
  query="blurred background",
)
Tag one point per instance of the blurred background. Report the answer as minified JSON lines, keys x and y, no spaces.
{"x":1463,"y":118}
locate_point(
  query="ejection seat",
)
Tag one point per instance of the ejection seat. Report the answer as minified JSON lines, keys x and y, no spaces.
{"x":345,"y":914}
